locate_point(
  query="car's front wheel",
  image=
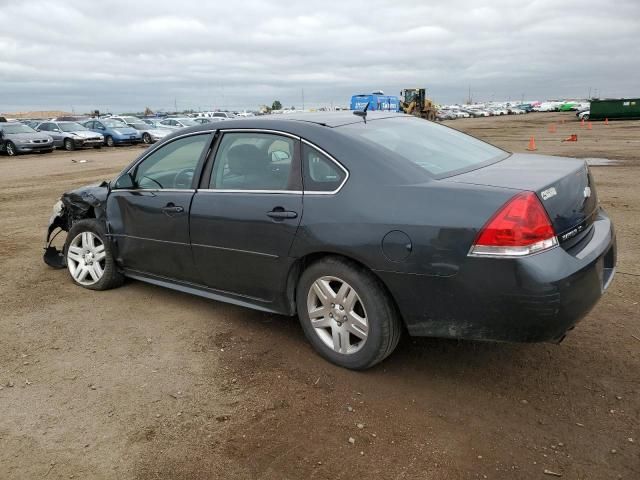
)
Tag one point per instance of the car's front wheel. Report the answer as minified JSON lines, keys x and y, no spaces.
{"x":109,"y":141}
{"x":69,"y":145}
{"x":11,"y":150}
{"x":146,"y":138}
{"x":346,"y":313}
{"x":88,"y":255}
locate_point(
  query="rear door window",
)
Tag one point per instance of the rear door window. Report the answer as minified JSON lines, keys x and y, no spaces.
{"x":251,"y":161}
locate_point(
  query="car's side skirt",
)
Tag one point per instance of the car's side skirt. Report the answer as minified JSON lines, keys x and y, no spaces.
{"x":206,"y":292}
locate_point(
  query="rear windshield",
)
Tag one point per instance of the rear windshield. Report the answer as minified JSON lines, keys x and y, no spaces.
{"x":439,"y":150}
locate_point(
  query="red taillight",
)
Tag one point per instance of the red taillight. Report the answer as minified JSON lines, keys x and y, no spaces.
{"x":520,"y":227}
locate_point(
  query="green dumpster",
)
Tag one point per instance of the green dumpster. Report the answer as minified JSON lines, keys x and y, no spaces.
{"x":622,"y":108}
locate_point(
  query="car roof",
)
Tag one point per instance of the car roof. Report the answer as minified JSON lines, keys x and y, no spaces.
{"x":326,"y":119}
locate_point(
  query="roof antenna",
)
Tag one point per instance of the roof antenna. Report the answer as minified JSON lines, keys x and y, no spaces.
{"x":362,"y":113}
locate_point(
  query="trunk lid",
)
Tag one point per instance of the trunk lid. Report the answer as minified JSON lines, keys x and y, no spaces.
{"x":563,"y":185}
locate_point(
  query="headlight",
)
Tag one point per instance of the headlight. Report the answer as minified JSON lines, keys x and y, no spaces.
{"x":101,"y":137}
{"x":49,"y":139}
{"x":57,"y":208}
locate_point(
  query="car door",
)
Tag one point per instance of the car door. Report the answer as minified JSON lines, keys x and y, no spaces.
{"x":148,"y":209}
{"x":53,"y":131}
{"x":246,"y":213}
{"x":91,"y":125}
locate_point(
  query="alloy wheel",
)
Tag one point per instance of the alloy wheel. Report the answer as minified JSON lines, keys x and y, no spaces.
{"x":11,"y":150}
{"x":337,"y":315}
{"x":86,"y":258}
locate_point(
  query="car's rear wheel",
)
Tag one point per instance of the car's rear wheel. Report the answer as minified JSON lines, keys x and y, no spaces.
{"x":69,"y":145}
{"x":146,"y":138}
{"x":346,"y":313}
{"x":109,"y":141}
{"x":89,"y":259}
{"x":11,"y":150}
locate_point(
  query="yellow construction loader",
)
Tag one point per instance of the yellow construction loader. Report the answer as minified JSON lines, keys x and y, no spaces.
{"x":414,"y":101}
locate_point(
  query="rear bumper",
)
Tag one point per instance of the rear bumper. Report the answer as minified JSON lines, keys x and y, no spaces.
{"x":532,"y":299}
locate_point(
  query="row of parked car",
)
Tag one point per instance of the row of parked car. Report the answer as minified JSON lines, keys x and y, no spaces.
{"x":32,"y":136}
{"x":450,"y":112}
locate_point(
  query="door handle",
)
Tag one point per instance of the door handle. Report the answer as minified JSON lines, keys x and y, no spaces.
{"x":280,"y":213}
{"x":171,"y":209}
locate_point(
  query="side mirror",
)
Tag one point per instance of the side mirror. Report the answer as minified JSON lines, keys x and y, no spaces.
{"x":124,"y":182}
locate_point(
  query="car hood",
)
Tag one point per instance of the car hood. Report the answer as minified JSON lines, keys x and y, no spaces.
{"x":26,"y":136}
{"x":159,"y":131}
{"x":85,"y":134}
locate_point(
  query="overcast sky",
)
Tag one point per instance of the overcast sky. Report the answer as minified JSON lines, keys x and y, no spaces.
{"x":125,"y":55}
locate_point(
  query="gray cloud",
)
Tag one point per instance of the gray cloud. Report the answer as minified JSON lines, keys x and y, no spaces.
{"x":121,"y":55}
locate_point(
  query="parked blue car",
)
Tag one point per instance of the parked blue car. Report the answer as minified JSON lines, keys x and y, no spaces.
{"x":114,"y":131}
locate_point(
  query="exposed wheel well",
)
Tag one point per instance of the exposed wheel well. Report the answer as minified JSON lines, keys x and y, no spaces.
{"x":303,"y":262}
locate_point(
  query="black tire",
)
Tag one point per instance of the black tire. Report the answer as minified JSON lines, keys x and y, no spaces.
{"x":10,"y":148}
{"x":146,"y":138}
{"x":108,"y":141}
{"x":384,"y":324}
{"x":68,"y":144}
{"x":97,"y":147}
{"x":111,"y":277}
{"x":585,"y":117}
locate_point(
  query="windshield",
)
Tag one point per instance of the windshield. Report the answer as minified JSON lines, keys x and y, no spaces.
{"x":140,"y":125}
{"x":71,"y":127}
{"x":131,"y":119}
{"x":437,"y":149}
{"x":114,"y":124}
{"x":16,"y":128}
{"x":187,"y":122}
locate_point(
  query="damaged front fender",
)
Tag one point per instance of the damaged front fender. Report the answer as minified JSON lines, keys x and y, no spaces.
{"x":84,"y":202}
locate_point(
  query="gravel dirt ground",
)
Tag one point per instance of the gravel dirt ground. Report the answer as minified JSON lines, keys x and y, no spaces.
{"x":146,"y":383}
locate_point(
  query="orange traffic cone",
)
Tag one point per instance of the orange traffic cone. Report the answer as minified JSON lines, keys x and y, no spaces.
{"x":572,"y":138}
{"x":606,"y":121}
{"x":552,"y":128}
{"x":589,"y":127}
{"x":582,"y":123}
{"x":532,"y":145}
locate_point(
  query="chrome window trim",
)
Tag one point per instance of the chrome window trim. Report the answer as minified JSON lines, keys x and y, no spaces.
{"x":230,"y":190}
{"x":156,"y":190}
{"x":259,"y":130}
{"x":336,"y":162}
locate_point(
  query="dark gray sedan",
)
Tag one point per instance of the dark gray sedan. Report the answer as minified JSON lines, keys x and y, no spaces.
{"x":71,"y":135}
{"x":362,"y":229}
{"x":18,"y":138}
